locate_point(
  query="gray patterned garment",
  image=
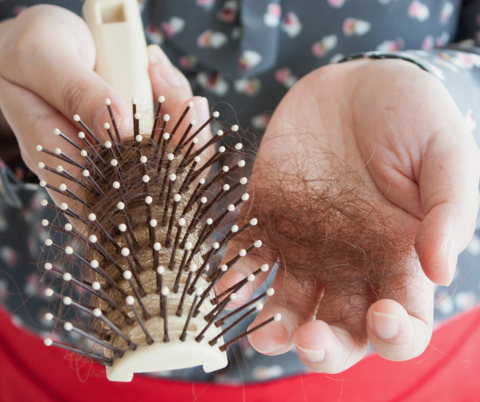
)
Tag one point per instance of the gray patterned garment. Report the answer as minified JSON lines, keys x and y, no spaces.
{"x":244,"y":56}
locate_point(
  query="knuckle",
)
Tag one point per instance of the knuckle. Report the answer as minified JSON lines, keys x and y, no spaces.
{"x":73,"y":96}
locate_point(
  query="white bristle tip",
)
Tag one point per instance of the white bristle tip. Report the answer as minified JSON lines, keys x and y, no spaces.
{"x":60,"y":168}
{"x":106,"y":126}
{"x":64,"y":206}
{"x":56,"y":131}
{"x":45,"y":222}
{"x":202,"y":181}
{"x":153,"y":223}
{"x":67,"y":277}
{"x":177,"y":198}
{"x":195,"y":140}
{"x":222,"y":149}
{"x":116,"y":185}
{"x":67,"y":301}
{"x":166,"y":136}
{"x":251,"y":278}
{"x":121,"y":206}
{"x":166,"y":117}
{"x":171,"y":157}
{"x":94,"y":264}
{"x":148,"y":200}
{"x":44,"y":203}
{"x":231,"y":208}
{"x":196,"y":159}
{"x":198,"y":292}
{"x":83,"y":153}
{"x":173,"y":177}
{"x":258,"y":243}
{"x":143,"y":159}
{"x":234,"y":229}
{"x":138,"y":138}
{"x":68,"y":250}
{"x":253,"y":221}
{"x":86,"y":173}
{"x":130,"y":300}
{"x":63,"y":187}
{"x":165,"y":291}
{"x":238,"y":146}
{"x":190,"y":104}
{"x":270,"y":292}
{"x":137,"y":116}
{"x":97,"y":312}
{"x":93,"y":239}
{"x":181,"y":222}
{"x":92,"y":217}
{"x":48,"y":292}
{"x":125,"y":252}
{"x":245,"y":197}
{"x":220,"y":133}
{"x":41,"y":165}
{"x":188,"y":245}
{"x":209,"y":221}
{"x":241,"y":163}
{"x":277,"y":317}
{"x":81,"y":135}
{"x":146,"y":178}
{"x":43,"y":183}
{"x":226,"y":187}
{"x":203,"y":200}
{"x":161,"y":99}
{"x":243,"y":180}
{"x":108,"y":102}
{"x":160,"y":270}
{"x":216,"y":114}
{"x":48,"y":266}
{"x":225,"y":169}
{"x":114,"y":162}
{"x":242,"y":253}
{"x":192,"y":122}
{"x":108,"y":144}
{"x":58,"y":151}
{"x":122,"y":227}
{"x":134,"y":101}
{"x":38,"y":148}
{"x":48,"y":242}
{"x":233,"y":296}
{"x":127,"y":275}
{"x":49,"y":316}
{"x":96,"y":285}
{"x":234,"y":127}
{"x":193,"y":267}
{"x":224,"y":268}
{"x":216,"y":245}
{"x":48,"y":342}
{"x":157,"y":246}
{"x":264,"y":267}
{"x":68,"y":227}
{"x":259,"y":307}
{"x":76,"y":117}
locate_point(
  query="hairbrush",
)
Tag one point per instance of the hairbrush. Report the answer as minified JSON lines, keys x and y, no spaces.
{"x":145,"y":230}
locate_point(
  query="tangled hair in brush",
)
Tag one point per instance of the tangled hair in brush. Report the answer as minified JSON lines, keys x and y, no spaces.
{"x":330,"y":232}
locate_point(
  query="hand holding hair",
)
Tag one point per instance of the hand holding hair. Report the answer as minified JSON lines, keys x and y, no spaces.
{"x":366,"y":190}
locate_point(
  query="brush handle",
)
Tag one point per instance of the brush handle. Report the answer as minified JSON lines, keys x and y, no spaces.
{"x":122,"y":60}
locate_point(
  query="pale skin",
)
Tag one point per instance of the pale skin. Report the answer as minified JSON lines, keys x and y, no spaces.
{"x":394,"y":123}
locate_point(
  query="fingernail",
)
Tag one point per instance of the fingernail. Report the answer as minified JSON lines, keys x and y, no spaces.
{"x":314,"y":356}
{"x":265,"y":346}
{"x":202,"y":110}
{"x":386,"y":326}
{"x":164,"y":66}
{"x":450,"y":253}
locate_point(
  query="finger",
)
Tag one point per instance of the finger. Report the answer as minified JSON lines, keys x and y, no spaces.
{"x":56,"y":45}
{"x":32,"y":128}
{"x":296,"y":303}
{"x":448,"y":185}
{"x":401,"y":330}
{"x":327,"y":349}
{"x":171,"y":84}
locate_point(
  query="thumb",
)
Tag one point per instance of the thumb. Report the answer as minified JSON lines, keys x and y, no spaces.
{"x":448,"y":186}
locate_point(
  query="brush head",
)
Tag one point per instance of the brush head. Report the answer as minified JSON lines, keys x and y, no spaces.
{"x":145,"y":225}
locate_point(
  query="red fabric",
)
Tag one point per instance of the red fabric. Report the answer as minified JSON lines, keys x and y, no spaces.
{"x":449,"y":370}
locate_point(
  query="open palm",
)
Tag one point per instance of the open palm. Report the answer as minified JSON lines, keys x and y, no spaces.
{"x":398,"y":128}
